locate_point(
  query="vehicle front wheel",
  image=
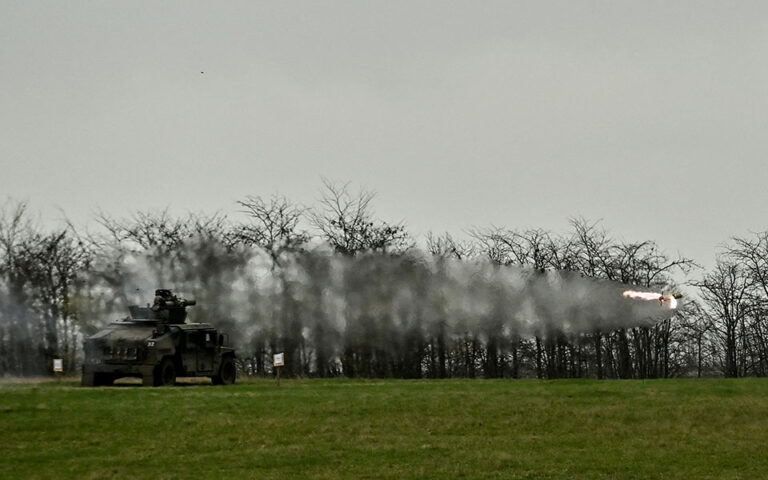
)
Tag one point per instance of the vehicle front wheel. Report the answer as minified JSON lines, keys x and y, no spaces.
{"x":165,"y":374}
{"x":227,"y":372}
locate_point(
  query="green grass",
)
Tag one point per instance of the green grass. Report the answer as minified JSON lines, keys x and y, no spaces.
{"x":686,"y":429}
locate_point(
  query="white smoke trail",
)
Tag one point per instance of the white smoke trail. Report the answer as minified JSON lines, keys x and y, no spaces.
{"x":328,"y":300}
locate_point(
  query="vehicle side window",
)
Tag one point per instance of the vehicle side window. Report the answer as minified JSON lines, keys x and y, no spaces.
{"x":192,"y":340}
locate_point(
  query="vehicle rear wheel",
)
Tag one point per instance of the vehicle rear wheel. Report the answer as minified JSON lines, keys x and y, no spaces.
{"x":227,"y":372}
{"x":165,"y":374}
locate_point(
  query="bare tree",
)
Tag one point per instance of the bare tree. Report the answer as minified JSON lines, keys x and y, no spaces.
{"x":346,"y":221}
{"x":57,"y":263}
{"x":536,"y":249}
{"x":274,"y":229}
{"x":17,"y":349}
{"x":752,"y":255}
{"x":445,"y":246}
{"x":40,"y":276}
{"x":698,"y":326}
{"x":529,"y":248}
{"x":147,"y":230}
{"x":725,"y":292}
{"x":274,"y":226}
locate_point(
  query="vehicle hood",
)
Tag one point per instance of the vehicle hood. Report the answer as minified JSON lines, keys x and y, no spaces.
{"x":124,"y":332}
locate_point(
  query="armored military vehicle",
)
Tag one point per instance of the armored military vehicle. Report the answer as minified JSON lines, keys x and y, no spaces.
{"x":156,"y":344}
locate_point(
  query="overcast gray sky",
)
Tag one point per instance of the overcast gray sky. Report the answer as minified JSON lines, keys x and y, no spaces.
{"x":652,"y":116}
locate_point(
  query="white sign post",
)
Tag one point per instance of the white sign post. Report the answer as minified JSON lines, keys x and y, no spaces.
{"x":58,"y":366}
{"x":277,"y":362}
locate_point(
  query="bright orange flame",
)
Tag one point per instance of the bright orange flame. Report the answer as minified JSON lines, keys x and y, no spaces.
{"x":652,"y":296}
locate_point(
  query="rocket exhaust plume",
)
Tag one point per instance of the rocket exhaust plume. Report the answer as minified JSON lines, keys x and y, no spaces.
{"x":670,"y":299}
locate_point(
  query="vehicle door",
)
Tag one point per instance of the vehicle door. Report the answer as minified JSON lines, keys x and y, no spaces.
{"x":206,"y":351}
{"x":189,"y":352}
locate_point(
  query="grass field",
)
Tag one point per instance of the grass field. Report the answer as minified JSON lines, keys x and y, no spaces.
{"x":686,"y":429}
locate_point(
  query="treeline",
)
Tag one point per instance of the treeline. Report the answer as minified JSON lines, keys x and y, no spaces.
{"x":343,"y":293}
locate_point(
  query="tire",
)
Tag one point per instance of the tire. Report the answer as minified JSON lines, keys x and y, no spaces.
{"x":227,"y":372}
{"x":165,"y":373}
